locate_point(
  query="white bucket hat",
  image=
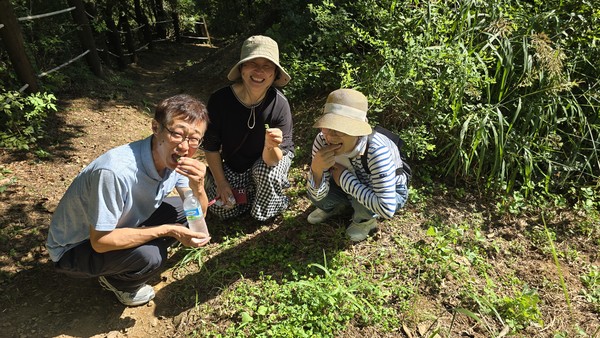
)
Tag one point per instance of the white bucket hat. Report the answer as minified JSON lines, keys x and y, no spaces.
{"x":346,"y":111}
{"x":259,"y":46}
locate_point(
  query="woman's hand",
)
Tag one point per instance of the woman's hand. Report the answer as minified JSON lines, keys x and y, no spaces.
{"x":272,"y":154}
{"x":324,"y":158}
{"x":273,"y":138}
{"x":225,"y":194}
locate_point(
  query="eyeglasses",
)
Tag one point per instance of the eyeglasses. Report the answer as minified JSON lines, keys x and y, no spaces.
{"x":179,"y":138}
{"x":332,"y":132}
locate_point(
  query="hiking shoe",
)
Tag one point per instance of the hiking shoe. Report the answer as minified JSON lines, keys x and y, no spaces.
{"x":359,"y":231}
{"x":320,"y":215}
{"x":139,"y":297}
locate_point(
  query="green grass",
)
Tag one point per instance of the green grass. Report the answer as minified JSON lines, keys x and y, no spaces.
{"x":434,"y":269}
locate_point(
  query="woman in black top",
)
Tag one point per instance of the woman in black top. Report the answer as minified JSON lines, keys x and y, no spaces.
{"x":248,"y":143}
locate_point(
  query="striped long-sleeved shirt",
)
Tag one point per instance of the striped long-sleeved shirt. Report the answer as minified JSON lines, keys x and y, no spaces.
{"x":376,"y":191}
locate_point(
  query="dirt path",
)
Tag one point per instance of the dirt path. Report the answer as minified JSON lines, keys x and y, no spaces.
{"x":34,"y":300}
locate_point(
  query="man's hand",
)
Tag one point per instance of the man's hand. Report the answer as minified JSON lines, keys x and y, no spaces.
{"x":125,"y":238}
{"x":195,"y":171}
{"x":188,"y":237}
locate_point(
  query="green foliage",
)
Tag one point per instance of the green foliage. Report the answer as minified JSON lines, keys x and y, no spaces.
{"x":50,"y":41}
{"x":591,"y":284}
{"x":506,"y":91}
{"x":423,"y":143}
{"x":438,"y":256}
{"x":5,"y":180}
{"x":450,"y":246}
{"x":319,"y":304}
{"x":521,"y":309}
{"x":517,"y":311}
{"x":587,"y":198}
{"x":531,"y":199}
{"x":229,"y":18}
{"x":22,"y":118}
{"x":6,"y":74}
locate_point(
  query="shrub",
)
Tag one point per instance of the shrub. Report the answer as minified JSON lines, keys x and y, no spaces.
{"x":507,"y":93}
{"x":22,"y":118}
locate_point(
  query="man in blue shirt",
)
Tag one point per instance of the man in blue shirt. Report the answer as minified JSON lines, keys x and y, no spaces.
{"x":116,"y":221}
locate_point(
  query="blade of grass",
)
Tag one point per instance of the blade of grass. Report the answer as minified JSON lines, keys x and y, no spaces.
{"x":557,"y":263}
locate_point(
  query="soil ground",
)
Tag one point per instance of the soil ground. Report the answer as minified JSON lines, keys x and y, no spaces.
{"x":37,"y":302}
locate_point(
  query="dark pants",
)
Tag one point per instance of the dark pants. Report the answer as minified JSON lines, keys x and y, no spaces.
{"x":127,"y":269}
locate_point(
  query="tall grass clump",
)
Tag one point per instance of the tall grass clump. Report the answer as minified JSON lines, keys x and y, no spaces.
{"x":501,"y":94}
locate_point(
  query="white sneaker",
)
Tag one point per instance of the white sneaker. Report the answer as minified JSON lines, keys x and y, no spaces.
{"x":139,"y":297}
{"x":320,"y":215}
{"x":359,"y":231}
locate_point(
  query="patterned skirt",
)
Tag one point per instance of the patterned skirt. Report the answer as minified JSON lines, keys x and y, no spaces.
{"x":264,"y":187}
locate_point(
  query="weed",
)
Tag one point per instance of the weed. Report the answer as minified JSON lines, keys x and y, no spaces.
{"x":517,"y":311}
{"x":193,"y":255}
{"x":542,"y":238}
{"x":557,"y":263}
{"x":5,"y":180}
{"x":42,"y":154}
{"x":319,"y":304}
{"x":591,"y":284}
{"x":522,"y":309}
{"x":587,"y":198}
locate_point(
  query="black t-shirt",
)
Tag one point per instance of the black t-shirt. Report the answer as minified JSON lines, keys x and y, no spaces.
{"x":230,"y":122}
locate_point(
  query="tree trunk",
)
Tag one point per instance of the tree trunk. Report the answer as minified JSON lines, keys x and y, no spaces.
{"x":114,"y":39}
{"x":173,"y":4}
{"x":129,"y":43}
{"x":86,"y":37}
{"x":142,"y":20}
{"x":13,"y":40}
{"x":176,"y":28}
{"x":101,"y":39}
{"x":160,"y":15}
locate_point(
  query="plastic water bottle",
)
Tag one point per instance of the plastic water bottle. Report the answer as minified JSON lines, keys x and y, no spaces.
{"x":193,"y":213}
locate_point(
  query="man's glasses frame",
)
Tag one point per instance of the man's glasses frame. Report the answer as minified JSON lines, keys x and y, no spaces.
{"x":179,"y":138}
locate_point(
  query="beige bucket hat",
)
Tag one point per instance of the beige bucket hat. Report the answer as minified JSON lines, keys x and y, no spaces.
{"x":259,"y":46}
{"x":346,"y":111}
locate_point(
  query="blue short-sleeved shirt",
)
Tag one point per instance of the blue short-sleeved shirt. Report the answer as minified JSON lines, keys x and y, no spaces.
{"x":119,"y":189}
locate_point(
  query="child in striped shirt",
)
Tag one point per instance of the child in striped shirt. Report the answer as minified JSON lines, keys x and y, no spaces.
{"x":337,"y":178}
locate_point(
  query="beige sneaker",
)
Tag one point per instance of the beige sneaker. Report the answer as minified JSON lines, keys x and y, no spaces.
{"x":360,"y":231}
{"x":139,"y":297}
{"x":320,"y":215}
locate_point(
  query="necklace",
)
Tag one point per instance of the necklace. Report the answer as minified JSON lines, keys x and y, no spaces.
{"x":252,"y":115}
{"x":251,"y":123}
